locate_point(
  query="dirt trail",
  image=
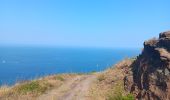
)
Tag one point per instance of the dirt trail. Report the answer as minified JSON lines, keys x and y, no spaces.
{"x":75,"y":89}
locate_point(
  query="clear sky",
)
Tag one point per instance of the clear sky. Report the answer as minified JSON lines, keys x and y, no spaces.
{"x":82,"y":23}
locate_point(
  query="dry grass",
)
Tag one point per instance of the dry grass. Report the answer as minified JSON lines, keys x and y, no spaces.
{"x":4,"y":90}
{"x":152,"y":41}
{"x":109,"y":84}
{"x":101,"y":77}
{"x":31,"y":89}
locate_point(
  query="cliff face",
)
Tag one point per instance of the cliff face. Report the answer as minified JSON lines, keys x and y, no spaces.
{"x":150,"y":78}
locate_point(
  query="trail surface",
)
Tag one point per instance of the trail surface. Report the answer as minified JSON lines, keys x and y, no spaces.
{"x":74,"y":89}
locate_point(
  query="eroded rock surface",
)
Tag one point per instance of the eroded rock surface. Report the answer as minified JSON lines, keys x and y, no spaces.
{"x":150,"y":79}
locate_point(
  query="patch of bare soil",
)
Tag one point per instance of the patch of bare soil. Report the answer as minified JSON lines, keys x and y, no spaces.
{"x":74,"y":89}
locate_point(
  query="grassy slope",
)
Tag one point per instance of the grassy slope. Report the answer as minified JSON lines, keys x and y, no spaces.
{"x":34,"y":88}
{"x":107,"y":86}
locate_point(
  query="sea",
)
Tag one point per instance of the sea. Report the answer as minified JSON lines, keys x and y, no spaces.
{"x":26,"y":63}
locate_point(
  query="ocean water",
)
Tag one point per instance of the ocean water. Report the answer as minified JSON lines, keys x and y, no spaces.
{"x":25,"y":63}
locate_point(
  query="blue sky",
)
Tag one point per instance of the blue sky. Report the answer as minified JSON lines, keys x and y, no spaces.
{"x":82,"y":23}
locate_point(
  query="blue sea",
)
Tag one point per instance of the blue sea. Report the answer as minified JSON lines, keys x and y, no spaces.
{"x":25,"y":63}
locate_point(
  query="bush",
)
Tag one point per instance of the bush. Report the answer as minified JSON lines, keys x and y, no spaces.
{"x":129,"y":97}
{"x":60,"y":78}
{"x":117,"y":94}
{"x":92,"y":72}
{"x":31,"y":87}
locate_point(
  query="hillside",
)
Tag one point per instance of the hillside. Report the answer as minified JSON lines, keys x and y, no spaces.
{"x":145,"y":77}
{"x":106,"y":85}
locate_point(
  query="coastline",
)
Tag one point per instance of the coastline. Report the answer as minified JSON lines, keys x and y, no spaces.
{"x":96,"y":85}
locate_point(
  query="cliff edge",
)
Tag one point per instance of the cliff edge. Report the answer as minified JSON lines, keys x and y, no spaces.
{"x":150,"y":77}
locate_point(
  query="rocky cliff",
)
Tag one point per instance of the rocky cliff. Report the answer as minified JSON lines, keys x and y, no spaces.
{"x":150,"y":77}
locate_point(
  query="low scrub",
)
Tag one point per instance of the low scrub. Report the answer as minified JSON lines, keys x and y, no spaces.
{"x":34,"y":87}
{"x":101,"y":77}
{"x":118,"y":94}
{"x":60,"y":78}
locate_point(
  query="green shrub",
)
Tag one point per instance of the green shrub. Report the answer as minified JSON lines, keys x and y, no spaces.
{"x":31,"y":87}
{"x":93,"y":71}
{"x":129,"y":97}
{"x":60,"y":78}
{"x":117,"y":94}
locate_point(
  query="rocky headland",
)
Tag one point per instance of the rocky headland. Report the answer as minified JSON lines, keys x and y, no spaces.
{"x":150,"y":76}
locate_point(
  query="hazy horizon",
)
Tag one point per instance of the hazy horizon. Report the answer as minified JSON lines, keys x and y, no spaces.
{"x":98,"y":23}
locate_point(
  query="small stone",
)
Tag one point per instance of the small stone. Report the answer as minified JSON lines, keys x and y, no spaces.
{"x":159,"y":71}
{"x":166,"y":72}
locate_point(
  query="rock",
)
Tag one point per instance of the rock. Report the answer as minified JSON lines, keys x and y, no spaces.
{"x":151,"y":70}
{"x":164,"y":34}
{"x":164,"y":40}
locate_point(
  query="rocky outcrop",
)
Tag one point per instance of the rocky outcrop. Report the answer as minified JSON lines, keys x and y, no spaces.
{"x":150,"y":78}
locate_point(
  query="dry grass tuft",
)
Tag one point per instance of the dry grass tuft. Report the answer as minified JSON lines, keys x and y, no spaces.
{"x":101,"y":77}
{"x":4,"y":90}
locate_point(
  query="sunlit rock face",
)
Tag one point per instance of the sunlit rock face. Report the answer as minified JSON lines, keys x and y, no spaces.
{"x":151,"y":70}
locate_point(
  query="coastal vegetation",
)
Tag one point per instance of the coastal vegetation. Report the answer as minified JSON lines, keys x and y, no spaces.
{"x":102,"y":86}
{"x":34,"y":88}
{"x":143,"y":77}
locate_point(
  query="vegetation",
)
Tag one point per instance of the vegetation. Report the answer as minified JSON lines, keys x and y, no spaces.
{"x":152,"y":41}
{"x":121,"y":97}
{"x":60,"y":78}
{"x":34,"y":87}
{"x":117,"y":93}
{"x":101,"y":77}
{"x":107,"y":86}
{"x":92,"y":72}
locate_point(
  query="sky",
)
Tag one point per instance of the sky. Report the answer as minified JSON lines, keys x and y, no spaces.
{"x":82,"y":23}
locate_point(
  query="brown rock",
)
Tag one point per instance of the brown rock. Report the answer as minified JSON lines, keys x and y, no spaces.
{"x":164,"y":34}
{"x":151,"y":70}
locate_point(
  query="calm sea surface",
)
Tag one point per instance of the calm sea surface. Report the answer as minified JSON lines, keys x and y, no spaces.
{"x":24,"y":63}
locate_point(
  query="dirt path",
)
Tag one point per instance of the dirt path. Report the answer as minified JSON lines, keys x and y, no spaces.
{"x":75,"y":89}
